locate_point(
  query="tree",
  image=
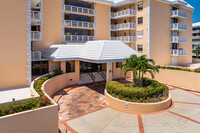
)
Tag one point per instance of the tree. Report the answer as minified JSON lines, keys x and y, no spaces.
{"x":197,"y":52}
{"x":139,"y":66}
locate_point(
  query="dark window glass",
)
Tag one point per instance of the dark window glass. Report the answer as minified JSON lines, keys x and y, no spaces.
{"x":124,"y":21}
{"x":118,"y":64}
{"x":140,"y":6}
{"x":174,"y":46}
{"x":39,"y":67}
{"x":174,"y":20}
{"x":124,"y":33}
{"x":71,"y":31}
{"x":70,"y":66}
{"x":140,"y":47}
{"x":140,"y":20}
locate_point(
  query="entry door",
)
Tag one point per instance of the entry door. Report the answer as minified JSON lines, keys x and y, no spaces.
{"x":174,"y":61}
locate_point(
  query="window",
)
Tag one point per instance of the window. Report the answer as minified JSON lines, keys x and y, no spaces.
{"x":124,"y":21}
{"x":140,"y":47}
{"x":118,"y":64}
{"x":174,"y":46}
{"x":124,"y":33}
{"x":140,"y":6}
{"x":70,"y":66}
{"x":140,"y":34}
{"x":140,"y":20}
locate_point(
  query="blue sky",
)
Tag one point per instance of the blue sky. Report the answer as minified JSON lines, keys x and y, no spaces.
{"x":196,"y":5}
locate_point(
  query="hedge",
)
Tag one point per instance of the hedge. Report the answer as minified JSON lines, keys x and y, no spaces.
{"x":32,"y":103}
{"x":178,"y":68}
{"x":152,"y":92}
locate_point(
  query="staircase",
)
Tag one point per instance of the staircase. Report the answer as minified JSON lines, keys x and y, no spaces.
{"x":93,"y":77}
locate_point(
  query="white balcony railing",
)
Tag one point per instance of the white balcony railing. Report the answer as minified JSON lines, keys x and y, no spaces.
{"x":128,"y":39}
{"x":195,"y":37}
{"x":36,"y":35}
{"x":177,"y":26}
{"x":78,"y":38}
{"x":196,"y":31}
{"x":79,"y":9}
{"x":123,"y":13}
{"x":35,"y":15}
{"x":73,"y":23}
{"x":178,"y":13}
{"x":178,"y":39}
{"x":196,"y":42}
{"x":123,"y":26}
{"x":178,"y":52}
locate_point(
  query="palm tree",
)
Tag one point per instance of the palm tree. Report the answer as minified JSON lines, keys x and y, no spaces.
{"x":130,"y":65}
{"x":197,"y":52}
{"x":146,"y":65}
{"x":139,"y":66}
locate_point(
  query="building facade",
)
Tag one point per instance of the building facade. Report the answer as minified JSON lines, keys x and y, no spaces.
{"x":195,"y":36}
{"x":159,"y":29}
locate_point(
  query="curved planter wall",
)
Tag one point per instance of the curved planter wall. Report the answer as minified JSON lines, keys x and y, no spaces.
{"x":137,"y":107}
{"x":59,"y":82}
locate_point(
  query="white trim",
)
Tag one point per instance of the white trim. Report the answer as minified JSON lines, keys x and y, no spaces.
{"x":149,"y":29}
{"x":29,"y":42}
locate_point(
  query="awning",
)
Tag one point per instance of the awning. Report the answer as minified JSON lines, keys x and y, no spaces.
{"x":92,"y":51}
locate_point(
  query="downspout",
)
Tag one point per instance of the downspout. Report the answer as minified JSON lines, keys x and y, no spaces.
{"x":149,"y":29}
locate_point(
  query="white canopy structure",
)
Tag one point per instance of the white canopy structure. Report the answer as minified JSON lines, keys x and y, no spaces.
{"x":92,"y":51}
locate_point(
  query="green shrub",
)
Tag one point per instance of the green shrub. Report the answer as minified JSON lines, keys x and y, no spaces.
{"x":32,"y":103}
{"x":127,"y":92}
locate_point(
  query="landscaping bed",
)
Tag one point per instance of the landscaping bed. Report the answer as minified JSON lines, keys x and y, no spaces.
{"x":32,"y":103}
{"x":151,"y":92}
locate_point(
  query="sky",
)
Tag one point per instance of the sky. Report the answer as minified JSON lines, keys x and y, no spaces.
{"x":196,"y":5}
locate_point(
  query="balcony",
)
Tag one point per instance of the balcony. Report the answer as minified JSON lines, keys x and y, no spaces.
{"x":178,"y":39}
{"x":123,"y":26}
{"x":78,"y":38}
{"x":77,"y":9}
{"x":123,"y":14}
{"x":178,"y":52}
{"x":196,"y":42}
{"x":127,"y":39}
{"x":36,"y":35}
{"x":196,"y":31}
{"x":178,"y":13}
{"x":178,"y":26}
{"x":35,"y":15}
{"x":79,"y":24}
{"x":195,"y":37}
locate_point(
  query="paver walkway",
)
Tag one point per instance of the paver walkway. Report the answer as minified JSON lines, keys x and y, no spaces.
{"x":97,"y":117}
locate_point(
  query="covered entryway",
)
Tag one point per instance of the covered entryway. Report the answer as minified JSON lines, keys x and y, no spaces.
{"x":94,"y":61}
{"x":92,"y":72}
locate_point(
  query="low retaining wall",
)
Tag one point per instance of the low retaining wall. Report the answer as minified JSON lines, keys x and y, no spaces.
{"x":133,"y":107}
{"x":196,"y":60}
{"x":189,"y":80}
{"x":57,"y":83}
{"x":41,"y":120}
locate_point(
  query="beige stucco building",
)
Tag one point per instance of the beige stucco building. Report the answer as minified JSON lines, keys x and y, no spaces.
{"x":159,"y":29}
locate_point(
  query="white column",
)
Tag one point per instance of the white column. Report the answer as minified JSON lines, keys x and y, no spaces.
{"x":108,"y":72}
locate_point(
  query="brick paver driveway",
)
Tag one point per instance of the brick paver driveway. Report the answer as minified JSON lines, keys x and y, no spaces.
{"x":84,"y":110}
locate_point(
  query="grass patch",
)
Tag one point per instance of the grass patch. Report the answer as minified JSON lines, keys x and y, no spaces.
{"x":178,"y":68}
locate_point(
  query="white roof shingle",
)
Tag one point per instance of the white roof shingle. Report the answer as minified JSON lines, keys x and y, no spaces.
{"x":91,"y":51}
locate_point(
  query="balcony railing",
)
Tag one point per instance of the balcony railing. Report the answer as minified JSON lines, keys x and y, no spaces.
{"x":196,"y":42}
{"x":79,"y":9}
{"x":195,"y":37}
{"x":178,"y":39}
{"x":178,"y":26}
{"x":178,"y":52}
{"x":178,"y":13}
{"x":35,"y":15}
{"x":123,"y":13}
{"x":73,"y":23}
{"x":127,"y":39}
{"x":196,"y":31}
{"x":78,"y":38}
{"x":36,"y":36}
{"x":123,"y":26}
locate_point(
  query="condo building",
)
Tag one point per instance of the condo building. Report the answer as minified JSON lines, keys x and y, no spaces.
{"x":196,"y":35}
{"x":86,"y":38}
